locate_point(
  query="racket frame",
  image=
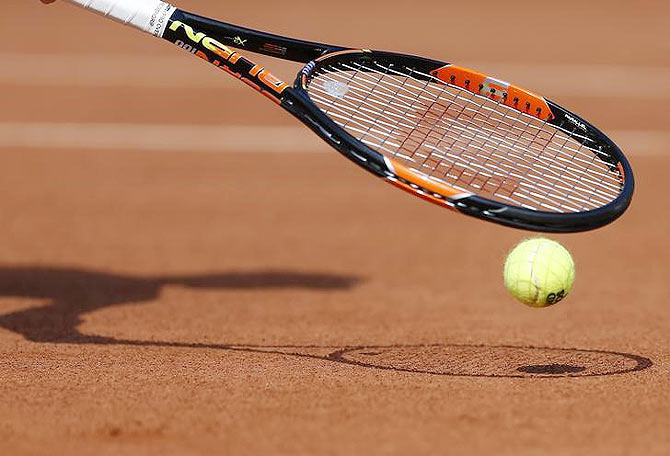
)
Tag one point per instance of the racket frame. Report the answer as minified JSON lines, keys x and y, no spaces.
{"x":211,"y":40}
{"x":467,"y":203}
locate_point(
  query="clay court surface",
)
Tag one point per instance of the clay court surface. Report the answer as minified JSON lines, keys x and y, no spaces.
{"x":186,"y":270}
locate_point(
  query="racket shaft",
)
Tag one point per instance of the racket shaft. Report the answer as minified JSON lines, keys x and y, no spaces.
{"x":165,"y":21}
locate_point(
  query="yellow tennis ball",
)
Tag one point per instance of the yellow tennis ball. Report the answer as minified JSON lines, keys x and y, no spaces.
{"x":539,"y":272}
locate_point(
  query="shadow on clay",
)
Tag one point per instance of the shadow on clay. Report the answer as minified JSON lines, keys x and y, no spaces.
{"x":74,"y":292}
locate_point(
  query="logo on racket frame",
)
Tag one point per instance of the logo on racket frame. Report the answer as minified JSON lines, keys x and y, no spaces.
{"x":229,"y":57}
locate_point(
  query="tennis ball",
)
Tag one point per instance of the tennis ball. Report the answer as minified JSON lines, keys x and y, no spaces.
{"x":539,"y":272}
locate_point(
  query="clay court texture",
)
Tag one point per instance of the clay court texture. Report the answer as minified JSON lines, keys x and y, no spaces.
{"x":184,"y":269}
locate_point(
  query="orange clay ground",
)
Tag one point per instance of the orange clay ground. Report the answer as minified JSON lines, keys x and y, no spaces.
{"x":270,"y":301}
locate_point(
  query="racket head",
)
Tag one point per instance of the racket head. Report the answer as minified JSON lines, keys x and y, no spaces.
{"x":464,"y":140}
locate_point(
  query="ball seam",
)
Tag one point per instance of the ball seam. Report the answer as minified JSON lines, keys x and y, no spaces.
{"x":533,"y":277}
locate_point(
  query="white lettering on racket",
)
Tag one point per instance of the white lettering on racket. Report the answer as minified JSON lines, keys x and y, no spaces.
{"x":576,"y":123}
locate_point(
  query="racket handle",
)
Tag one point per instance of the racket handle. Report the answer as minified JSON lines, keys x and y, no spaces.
{"x":150,"y":16}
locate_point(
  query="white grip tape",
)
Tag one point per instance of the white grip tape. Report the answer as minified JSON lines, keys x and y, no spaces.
{"x":150,"y":16}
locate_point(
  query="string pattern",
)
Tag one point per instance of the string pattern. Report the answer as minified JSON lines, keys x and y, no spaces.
{"x":468,"y":141}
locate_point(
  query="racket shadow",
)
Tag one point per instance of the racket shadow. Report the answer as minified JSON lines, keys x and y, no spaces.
{"x":73,"y":292}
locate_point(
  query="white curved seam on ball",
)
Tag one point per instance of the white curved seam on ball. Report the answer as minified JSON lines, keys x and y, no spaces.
{"x":531,"y":259}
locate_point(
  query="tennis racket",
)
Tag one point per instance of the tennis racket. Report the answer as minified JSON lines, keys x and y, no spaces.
{"x":450,"y":135}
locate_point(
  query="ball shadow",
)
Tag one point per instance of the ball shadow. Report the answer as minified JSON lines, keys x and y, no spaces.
{"x":551,"y":369}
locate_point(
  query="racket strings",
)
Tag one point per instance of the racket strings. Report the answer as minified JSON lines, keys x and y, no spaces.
{"x":534,"y":139}
{"x":468,"y":141}
{"x":499,"y":186}
{"x":373,"y":143}
{"x":519,"y":115}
